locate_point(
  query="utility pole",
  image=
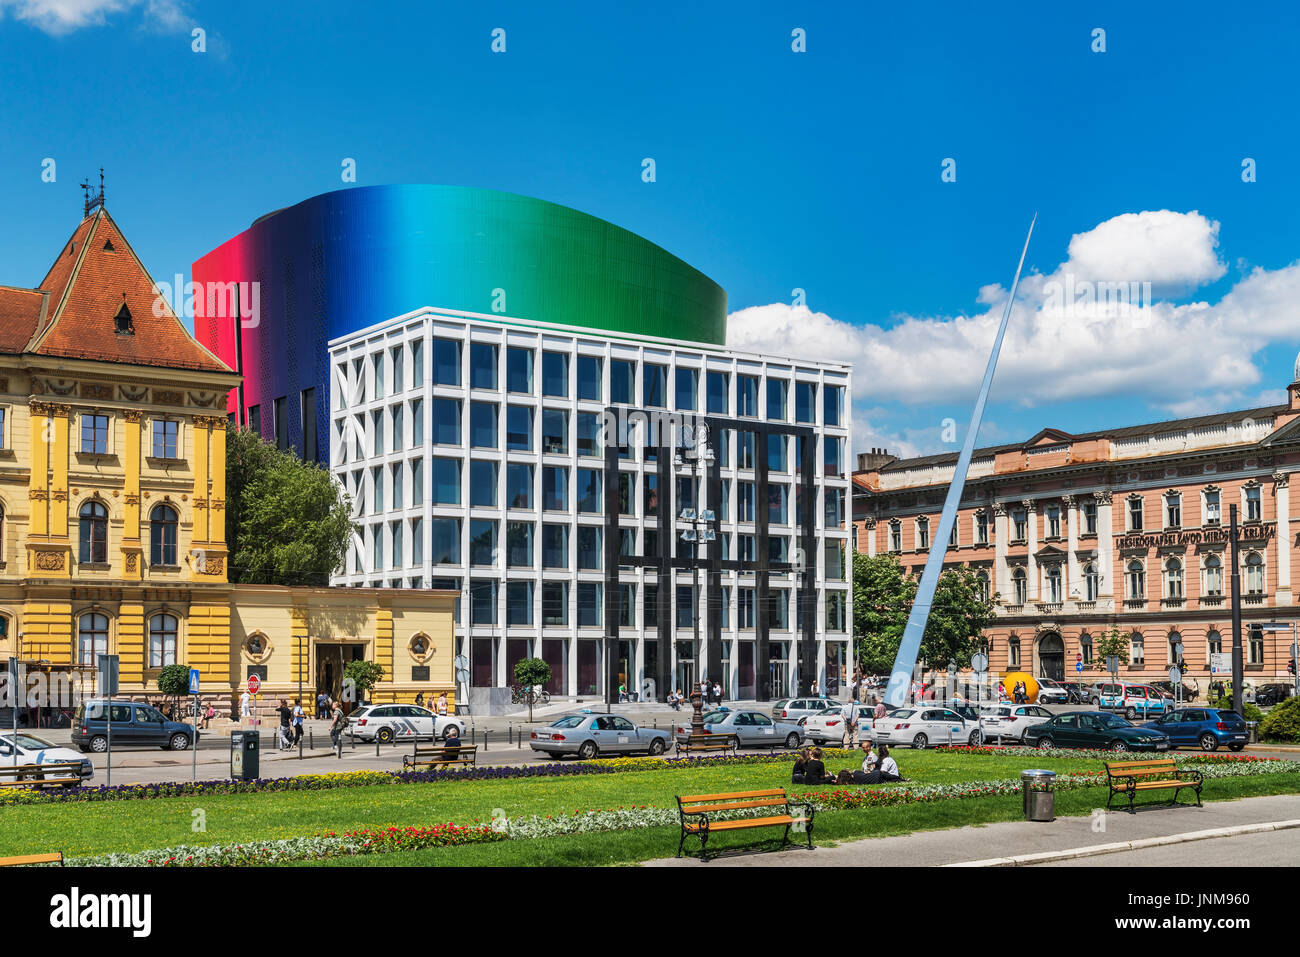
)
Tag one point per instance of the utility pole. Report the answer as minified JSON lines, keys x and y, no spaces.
{"x":1238,"y":674}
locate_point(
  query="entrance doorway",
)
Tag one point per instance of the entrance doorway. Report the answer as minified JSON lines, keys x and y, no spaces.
{"x":746,"y":685}
{"x":1051,"y":657}
{"x":686,"y":666}
{"x":331,"y":659}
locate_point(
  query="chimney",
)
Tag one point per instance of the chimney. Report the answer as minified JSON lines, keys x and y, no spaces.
{"x":874,"y":460}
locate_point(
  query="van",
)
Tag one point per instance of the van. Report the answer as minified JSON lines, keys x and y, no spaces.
{"x":133,"y":725}
{"x":1132,"y":700}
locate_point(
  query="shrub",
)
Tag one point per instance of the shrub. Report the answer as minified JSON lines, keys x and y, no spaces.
{"x":1283,"y":722}
{"x":1252,"y":713}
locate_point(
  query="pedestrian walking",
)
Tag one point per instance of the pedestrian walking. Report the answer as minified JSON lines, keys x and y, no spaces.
{"x":850,"y":712}
{"x":717,"y":692}
{"x":442,"y":703}
{"x":298,"y":715}
{"x":337,"y":724}
{"x":285,"y":738}
{"x":245,"y":704}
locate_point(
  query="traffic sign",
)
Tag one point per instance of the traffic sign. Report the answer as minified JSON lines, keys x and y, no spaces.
{"x":254,"y":683}
{"x":1175,"y":675}
{"x":194,"y":681}
{"x":1078,"y":666}
{"x":1112,"y":664}
{"x":979,"y":662}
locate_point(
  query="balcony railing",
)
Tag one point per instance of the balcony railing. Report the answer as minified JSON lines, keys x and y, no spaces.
{"x":1135,"y":602}
{"x":1172,"y":602}
{"x":1208,"y":600}
{"x":1086,"y":605}
{"x":1050,"y":607}
{"x":1252,"y":599}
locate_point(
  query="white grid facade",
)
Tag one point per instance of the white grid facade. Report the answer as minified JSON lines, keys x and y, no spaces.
{"x":402,"y":413}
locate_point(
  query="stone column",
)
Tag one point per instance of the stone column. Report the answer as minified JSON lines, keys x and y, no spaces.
{"x":1105,"y":546}
{"x":1281,"y":488}
{"x":1001,"y":573}
{"x":869,"y":533}
{"x":1073,"y":579}
{"x":132,"y":567}
{"x":1031,"y":569}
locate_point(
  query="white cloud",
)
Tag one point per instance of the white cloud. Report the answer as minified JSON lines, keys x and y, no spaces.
{"x":1174,"y":355}
{"x":58,"y":17}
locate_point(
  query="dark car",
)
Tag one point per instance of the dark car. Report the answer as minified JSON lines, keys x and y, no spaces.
{"x":134,"y":725}
{"x":1094,"y":729}
{"x":1272,"y":694}
{"x":1169,"y":689}
{"x":1208,"y":727}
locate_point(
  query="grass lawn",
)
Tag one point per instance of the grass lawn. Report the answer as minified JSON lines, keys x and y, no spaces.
{"x":99,"y":827}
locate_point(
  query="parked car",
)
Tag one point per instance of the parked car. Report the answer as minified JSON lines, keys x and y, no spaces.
{"x":793,"y":709}
{"x":1271,"y":694}
{"x":827,"y":726}
{"x":1170,"y":690}
{"x":33,"y":750}
{"x":133,"y":725}
{"x":1207,"y":727}
{"x":1093,"y":691}
{"x":385,"y":722}
{"x":1011,"y":721}
{"x":589,"y":735}
{"x":1094,"y":729}
{"x":752,"y":729}
{"x":1133,"y":700}
{"x":1052,"y":692}
{"x":922,"y":727}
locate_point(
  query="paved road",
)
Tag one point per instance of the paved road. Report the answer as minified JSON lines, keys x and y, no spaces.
{"x":1274,"y":849}
{"x":966,"y":844}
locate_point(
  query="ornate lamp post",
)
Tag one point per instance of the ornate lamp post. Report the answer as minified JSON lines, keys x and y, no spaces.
{"x":698,"y":530}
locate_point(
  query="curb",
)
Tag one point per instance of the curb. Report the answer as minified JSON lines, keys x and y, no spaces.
{"x":1094,"y":850}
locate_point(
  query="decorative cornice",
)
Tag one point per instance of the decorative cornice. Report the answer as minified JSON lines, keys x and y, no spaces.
{"x":1068,"y":499}
{"x":1102,"y":497}
{"x":1282,"y":479}
{"x":133,"y":415}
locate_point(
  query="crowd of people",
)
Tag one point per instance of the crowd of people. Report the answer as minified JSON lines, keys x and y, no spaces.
{"x":877,"y":768}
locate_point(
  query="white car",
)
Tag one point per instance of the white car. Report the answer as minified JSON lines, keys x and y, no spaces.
{"x":1011,"y":720}
{"x":827,"y":727}
{"x":923,"y":727}
{"x":1052,"y":692}
{"x":34,"y":750}
{"x":408,"y":722}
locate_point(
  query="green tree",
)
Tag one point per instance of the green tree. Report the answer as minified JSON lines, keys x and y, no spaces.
{"x":883,"y":594}
{"x":174,"y":682}
{"x":287,"y":521}
{"x":1111,"y":643}
{"x":359,"y":677}
{"x":530,"y":672}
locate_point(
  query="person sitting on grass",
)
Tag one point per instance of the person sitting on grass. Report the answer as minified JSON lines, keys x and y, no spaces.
{"x":887,"y":767}
{"x":800,"y":764}
{"x":814,"y":771}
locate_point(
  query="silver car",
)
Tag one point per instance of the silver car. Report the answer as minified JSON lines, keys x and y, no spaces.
{"x":795,"y":709}
{"x":588,"y":735}
{"x":752,"y":729}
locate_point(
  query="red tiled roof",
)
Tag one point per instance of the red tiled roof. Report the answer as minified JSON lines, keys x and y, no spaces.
{"x":20,"y":314}
{"x":88,"y":285}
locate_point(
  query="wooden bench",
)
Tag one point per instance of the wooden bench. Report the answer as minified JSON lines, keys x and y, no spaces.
{"x":708,"y":742}
{"x":434,"y":755}
{"x":55,"y":857}
{"x":1130,"y":777}
{"x":62,"y":773}
{"x":697,"y":812}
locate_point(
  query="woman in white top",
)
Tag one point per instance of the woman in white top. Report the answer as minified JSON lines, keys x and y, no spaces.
{"x":887,"y":767}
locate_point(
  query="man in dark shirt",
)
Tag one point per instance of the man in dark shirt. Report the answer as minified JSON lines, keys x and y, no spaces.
{"x":286,"y":715}
{"x":814,"y":772}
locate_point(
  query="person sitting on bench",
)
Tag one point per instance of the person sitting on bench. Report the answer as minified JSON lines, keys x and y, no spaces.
{"x":453,"y":737}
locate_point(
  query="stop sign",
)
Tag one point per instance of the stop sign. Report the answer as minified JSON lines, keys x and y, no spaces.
{"x":254,"y":683}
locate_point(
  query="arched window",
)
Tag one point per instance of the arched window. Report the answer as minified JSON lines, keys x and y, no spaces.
{"x":92,"y":638}
{"x":1175,"y":639}
{"x":1019,"y":587}
{"x":1213,"y":575}
{"x":983,"y":578}
{"x":162,"y":535}
{"x":94,"y":533}
{"x":1137,"y":580}
{"x":1173,"y":578}
{"x":1053,"y":583}
{"x":1137,"y":649}
{"x":1085,"y":647}
{"x":1254,"y":574}
{"x":1090,"y":585}
{"x":1214,"y":644}
{"x":162,"y":640}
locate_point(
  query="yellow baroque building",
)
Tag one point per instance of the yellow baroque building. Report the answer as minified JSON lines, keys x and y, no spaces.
{"x":112,"y":507}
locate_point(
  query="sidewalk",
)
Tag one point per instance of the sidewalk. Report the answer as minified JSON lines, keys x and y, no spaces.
{"x":968,"y":844}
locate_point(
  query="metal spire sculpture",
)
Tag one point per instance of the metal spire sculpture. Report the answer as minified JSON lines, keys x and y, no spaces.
{"x":909,"y":648}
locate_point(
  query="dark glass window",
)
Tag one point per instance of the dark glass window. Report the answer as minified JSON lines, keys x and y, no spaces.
{"x":805,"y":401}
{"x":483,"y":425}
{"x":622,"y":376}
{"x":555,"y":488}
{"x":687,"y":382}
{"x":589,"y":378}
{"x":446,"y":422}
{"x":446,"y":362}
{"x":483,"y":484}
{"x":747,"y":395}
{"x":589,"y":491}
{"x":719,"y":398}
{"x":555,"y":431}
{"x":94,"y":533}
{"x":444,"y":541}
{"x":588,"y":433}
{"x":590,"y":544}
{"x":555,"y":546}
{"x":555,"y":374}
{"x":482,"y":365}
{"x":519,"y":603}
{"x":519,"y":544}
{"x":519,"y":428}
{"x":446,"y":481}
{"x":162,"y":536}
{"x":654,"y":386}
{"x":519,"y":370}
{"x":519,"y":485}
{"x":482,"y":541}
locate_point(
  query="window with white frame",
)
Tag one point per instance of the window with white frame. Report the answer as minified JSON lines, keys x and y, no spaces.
{"x":94,"y":433}
{"x":1019,"y":525}
{"x":952,"y":536}
{"x":1019,"y":586}
{"x":1085,"y":648}
{"x":1253,"y":509}
{"x":1136,"y":649}
{"x":1090,"y":518}
{"x":922,"y":532}
{"x":1135,"y":510}
{"x":162,"y":640}
{"x":1173,"y":577}
{"x":1137,"y":581}
{"x":1173,"y":510}
{"x":1053,"y":521}
{"x":1254,"y":574}
{"x":1214,"y":643}
{"x":1013,"y":652}
{"x":982,"y":577}
{"x":1255,"y":646}
{"x":895,"y":536}
{"x":166,"y":438}
{"x":981,"y":527}
{"x":1212,"y":512}
{"x":1090,"y":582}
{"x":1213,"y":575}
{"x":1052,"y":578}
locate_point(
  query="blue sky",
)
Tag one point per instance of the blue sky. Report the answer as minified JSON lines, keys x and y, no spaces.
{"x":775,"y":169}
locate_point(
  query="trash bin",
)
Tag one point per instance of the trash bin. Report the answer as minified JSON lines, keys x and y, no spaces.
{"x":244,"y":755}
{"x":1039,"y":792}
{"x":1252,"y":732}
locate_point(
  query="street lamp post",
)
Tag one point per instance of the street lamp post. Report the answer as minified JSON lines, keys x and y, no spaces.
{"x":699,"y":530}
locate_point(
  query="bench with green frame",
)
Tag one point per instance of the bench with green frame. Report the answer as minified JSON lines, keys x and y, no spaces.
{"x":1162,"y":774}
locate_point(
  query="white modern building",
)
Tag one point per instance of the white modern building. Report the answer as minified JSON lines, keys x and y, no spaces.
{"x":471,"y":445}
